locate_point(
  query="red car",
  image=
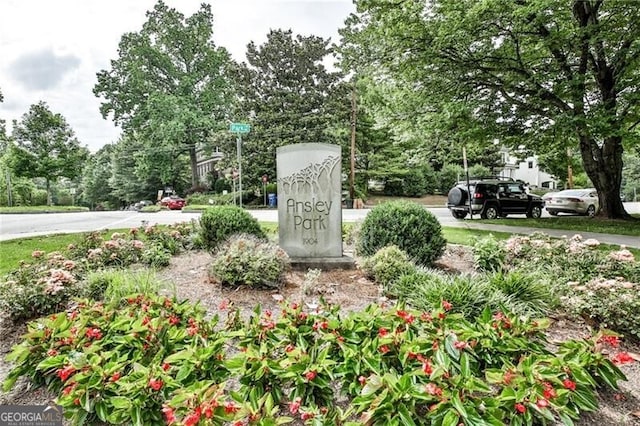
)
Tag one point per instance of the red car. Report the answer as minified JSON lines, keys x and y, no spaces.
{"x":173,"y":203}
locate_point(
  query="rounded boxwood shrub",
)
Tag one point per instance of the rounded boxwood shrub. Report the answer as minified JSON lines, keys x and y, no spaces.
{"x":387,"y":265}
{"x":218,"y":223}
{"x":407,"y":225}
{"x":246,"y":260}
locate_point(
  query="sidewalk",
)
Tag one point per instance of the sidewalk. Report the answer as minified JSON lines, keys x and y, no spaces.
{"x":621,"y":240}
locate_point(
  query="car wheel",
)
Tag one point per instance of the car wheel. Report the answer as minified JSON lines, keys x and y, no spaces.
{"x":535,"y":212}
{"x":458,"y":214}
{"x":456,"y":196}
{"x":489,"y":212}
{"x":553,"y":212}
{"x":591,"y":211}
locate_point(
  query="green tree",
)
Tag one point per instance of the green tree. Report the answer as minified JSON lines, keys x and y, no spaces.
{"x":286,"y":91}
{"x":551,"y":73}
{"x":45,"y":146}
{"x":96,"y":176}
{"x":170,"y":84}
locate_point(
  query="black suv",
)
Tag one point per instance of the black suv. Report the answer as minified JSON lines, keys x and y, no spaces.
{"x":493,"y":197}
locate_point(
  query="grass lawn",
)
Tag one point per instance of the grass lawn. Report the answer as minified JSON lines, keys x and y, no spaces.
{"x":42,"y":209}
{"x":576,"y":223}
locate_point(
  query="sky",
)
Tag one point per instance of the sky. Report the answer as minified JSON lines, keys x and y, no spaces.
{"x":51,"y":50}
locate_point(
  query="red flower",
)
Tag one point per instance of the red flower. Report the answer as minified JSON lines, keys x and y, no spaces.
{"x":294,"y":405}
{"x":174,"y":320}
{"x":302,"y":316}
{"x":166,"y":366}
{"x":432,"y":389}
{"x":65,"y":372}
{"x":622,"y":358}
{"x":294,"y":306}
{"x":520,"y":408}
{"x":549,"y":392}
{"x":115,"y":377}
{"x":460,"y":345}
{"x":407,"y":317}
{"x":612,"y":341}
{"x":426,"y":367}
{"x":384,"y":349}
{"x":230,"y":407}
{"x":362,"y":380}
{"x":208,"y":412}
{"x":426,"y":316}
{"x":93,"y":333}
{"x":155,"y":384}
{"x":310,"y":375}
{"x":307,"y":416}
{"x":193,"y":418}
{"x":441,"y":315}
{"x":382,"y":332}
{"x":446,"y":305}
{"x":192,"y":330}
{"x":289,"y":348}
{"x":571,"y":385}
{"x":169,"y":414}
{"x":224,"y":304}
{"x":52,"y":352}
{"x":69,"y":389}
{"x":542,"y":403}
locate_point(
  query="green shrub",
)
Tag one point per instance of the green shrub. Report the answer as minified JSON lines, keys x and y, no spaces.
{"x":526,"y":293}
{"x":489,"y":254}
{"x":246,"y":260}
{"x":425,"y":289}
{"x":414,"y":184}
{"x":40,"y":287}
{"x":111,"y":285}
{"x":220,"y":222}
{"x":407,"y":225}
{"x":388,"y":265}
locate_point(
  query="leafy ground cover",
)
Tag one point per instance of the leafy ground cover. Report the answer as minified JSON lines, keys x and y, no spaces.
{"x":359,"y":358}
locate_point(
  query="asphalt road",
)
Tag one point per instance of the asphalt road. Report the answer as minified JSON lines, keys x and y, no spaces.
{"x":23,"y":225}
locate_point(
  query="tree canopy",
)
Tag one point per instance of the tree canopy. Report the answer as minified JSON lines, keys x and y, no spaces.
{"x":170,"y":83}
{"x":45,"y":147}
{"x":286,"y":93}
{"x":550,"y":74}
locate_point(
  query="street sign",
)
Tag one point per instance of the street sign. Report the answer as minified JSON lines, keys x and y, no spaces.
{"x":239,"y":128}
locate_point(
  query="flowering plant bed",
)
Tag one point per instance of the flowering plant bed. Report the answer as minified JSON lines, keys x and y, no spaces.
{"x":153,"y":359}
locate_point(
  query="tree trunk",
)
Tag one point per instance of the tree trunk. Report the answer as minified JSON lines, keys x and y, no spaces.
{"x":48,"y":192}
{"x":604,"y":167}
{"x":194,"y":166}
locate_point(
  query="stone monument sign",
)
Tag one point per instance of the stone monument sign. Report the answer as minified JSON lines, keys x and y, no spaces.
{"x":310,"y":200}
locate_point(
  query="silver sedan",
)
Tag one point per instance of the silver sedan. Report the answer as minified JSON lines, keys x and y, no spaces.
{"x":576,"y":201}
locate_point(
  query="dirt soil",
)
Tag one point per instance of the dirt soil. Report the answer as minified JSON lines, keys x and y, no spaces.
{"x":352,"y":291}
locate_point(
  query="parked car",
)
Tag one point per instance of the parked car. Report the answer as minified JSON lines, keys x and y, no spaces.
{"x":547,"y":195}
{"x":173,"y":202}
{"x":575,"y":201}
{"x":493,"y":197}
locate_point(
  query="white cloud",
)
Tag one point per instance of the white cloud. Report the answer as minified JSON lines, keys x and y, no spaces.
{"x":52,"y":50}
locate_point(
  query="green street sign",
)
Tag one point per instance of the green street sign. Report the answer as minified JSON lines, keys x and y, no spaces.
{"x":239,"y":128}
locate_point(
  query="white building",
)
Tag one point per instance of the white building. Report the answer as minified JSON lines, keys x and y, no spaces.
{"x":526,"y":170}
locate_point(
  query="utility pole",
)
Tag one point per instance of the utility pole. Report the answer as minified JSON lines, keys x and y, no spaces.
{"x":239,"y":146}
{"x":352,"y":177}
{"x":239,"y":129}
